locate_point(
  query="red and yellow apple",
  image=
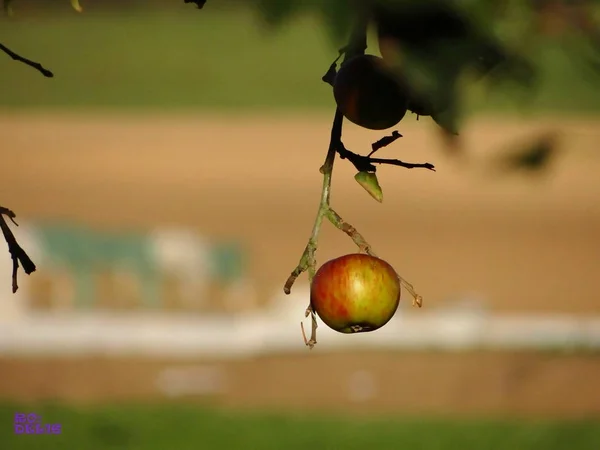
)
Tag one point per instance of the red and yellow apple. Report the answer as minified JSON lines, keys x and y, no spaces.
{"x":355,"y":293}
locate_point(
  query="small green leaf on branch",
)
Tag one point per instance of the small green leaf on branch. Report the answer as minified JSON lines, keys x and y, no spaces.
{"x":368,"y":180}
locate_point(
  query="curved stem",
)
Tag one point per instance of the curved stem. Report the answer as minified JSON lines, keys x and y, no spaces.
{"x":308,"y":261}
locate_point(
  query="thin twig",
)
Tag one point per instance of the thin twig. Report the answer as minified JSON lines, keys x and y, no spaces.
{"x":326,"y":169}
{"x":308,"y":261}
{"x":366,"y":163}
{"x":17,"y":254}
{"x":356,"y":237}
{"x":384,"y":142}
{"x":26,"y":61}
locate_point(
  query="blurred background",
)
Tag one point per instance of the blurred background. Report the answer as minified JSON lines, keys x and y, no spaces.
{"x":166,"y":181}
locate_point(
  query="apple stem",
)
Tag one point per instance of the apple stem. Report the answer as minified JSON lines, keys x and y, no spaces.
{"x":365,"y":247}
{"x":356,"y":237}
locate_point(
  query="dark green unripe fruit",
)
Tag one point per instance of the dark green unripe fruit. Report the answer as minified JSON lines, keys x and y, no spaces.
{"x":368,"y":94}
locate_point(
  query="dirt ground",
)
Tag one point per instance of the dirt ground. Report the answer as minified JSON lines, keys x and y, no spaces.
{"x":521,"y":243}
{"x":502,"y":384}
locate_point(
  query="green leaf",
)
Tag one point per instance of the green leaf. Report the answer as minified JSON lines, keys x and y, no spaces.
{"x":368,"y":180}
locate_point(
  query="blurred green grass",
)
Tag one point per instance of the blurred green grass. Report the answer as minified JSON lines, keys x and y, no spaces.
{"x":184,"y":427}
{"x":223,"y":59}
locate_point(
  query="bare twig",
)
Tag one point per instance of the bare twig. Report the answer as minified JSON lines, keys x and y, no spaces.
{"x":17,"y":254}
{"x":26,"y":61}
{"x":308,"y":261}
{"x":384,"y":142}
{"x":366,"y":163}
{"x":329,"y":76}
{"x":356,"y":237}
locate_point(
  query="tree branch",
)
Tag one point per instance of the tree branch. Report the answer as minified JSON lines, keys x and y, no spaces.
{"x":384,"y":142}
{"x":366,"y":163}
{"x":26,"y":61}
{"x":17,"y":254}
{"x":356,"y":46}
